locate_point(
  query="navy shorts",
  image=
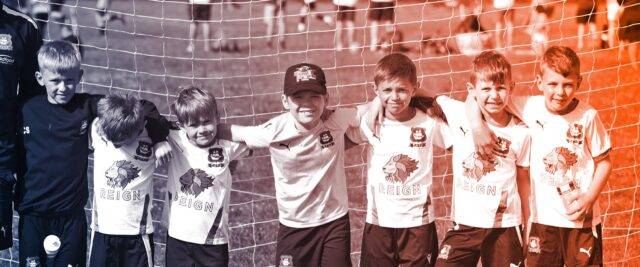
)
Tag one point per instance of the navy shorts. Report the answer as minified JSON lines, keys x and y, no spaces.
{"x":180,"y":253}
{"x":328,"y":244}
{"x":415,"y":246}
{"x":555,"y":246}
{"x":121,"y":250}
{"x":71,"y":229}
{"x":6,"y":209}
{"x":346,"y":13}
{"x":199,"y":12}
{"x":465,"y":245}
{"x":381,"y":11}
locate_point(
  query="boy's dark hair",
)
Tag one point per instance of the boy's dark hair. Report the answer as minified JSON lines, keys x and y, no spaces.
{"x":490,"y":66}
{"x":121,"y":117}
{"x":562,"y":60}
{"x":58,"y":55}
{"x":193,"y":104}
{"x":395,"y":66}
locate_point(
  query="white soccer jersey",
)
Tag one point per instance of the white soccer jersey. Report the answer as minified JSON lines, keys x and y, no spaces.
{"x":485,"y":192}
{"x":122,"y":185}
{"x":399,"y":175}
{"x":199,"y":187}
{"x":563,"y":146}
{"x":349,"y":3}
{"x":502,"y":4}
{"x":308,"y":166}
{"x":199,"y":1}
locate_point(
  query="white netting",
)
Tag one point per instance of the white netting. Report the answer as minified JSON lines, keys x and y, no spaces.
{"x":148,"y":55}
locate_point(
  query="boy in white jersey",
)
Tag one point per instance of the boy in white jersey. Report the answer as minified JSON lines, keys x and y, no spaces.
{"x":400,"y":227}
{"x":381,"y":13}
{"x":345,"y":20}
{"x":199,"y":183}
{"x":487,"y":191}
{"x":124,"y":160}
{"x":307,"y":155}
{"x":570,"y":165}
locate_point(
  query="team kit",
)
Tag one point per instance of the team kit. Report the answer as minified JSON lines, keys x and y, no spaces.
{"x":527,"y":171}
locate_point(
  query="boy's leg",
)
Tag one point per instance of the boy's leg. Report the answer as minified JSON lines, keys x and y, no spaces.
{"x":545,"y":246}
{"x":503,"y":247}
{"x":31,"y":232}
{"x":211,"y":255}
{"x":138,"y":250}
{"x":580,"y":35}
{"x":461,"y":246}
{"x":418,"y":246}
{"x":378,"y":246}
{"x":338,"y":36}
{"x":178,"y":253}
{"x":72,"y":231}
{"x":337,"y":243}
{"x":6,"y":209}
{"x":584,"y":247}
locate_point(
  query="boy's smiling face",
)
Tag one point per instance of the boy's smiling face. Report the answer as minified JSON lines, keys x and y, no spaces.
{"x":395,"y":96}
{"x":202,"y":132}
{"x":491,"y":97}
{"x":60,"y":84}
{"x":306,"y":107}
{"x":558,"y":90}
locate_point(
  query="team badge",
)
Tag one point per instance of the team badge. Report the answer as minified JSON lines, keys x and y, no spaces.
{"x":286,"y":261}
{"x":534,"y":244}
{"x":7,"y":60}
{"x":216,"y":154}
{"x":575,"y":134}
{"x":121,"y":173}
{"x":418,"y":137}
{"x":195,"y":181}
{"x":444,"y":252}
{"x":399,"y":168}
{"x":475,"y":167}
{"x":503,"y":146}
{"x":5,"y":42}
{"x":33,"y":261}
{"x":326,"y":139}
{"x":560,"y":159}
{"x":304,"y":74}
{"x":144,"y":149}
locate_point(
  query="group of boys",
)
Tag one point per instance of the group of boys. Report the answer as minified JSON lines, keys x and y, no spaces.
{"x":565,"y":145}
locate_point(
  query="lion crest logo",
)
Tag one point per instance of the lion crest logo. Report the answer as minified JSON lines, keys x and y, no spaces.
{"x":398,"y":168}
{"x":475,"y":167}
{"x":121,"y":173}
{"x":575,"y":133}
{"x":418,"y":134}
{"x":216,"y":154}
{"x":503,"y":146}
{"x":559,"y":159}
{"x":195,"y":181}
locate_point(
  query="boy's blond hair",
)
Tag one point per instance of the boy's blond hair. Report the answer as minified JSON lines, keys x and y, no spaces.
{"x":491,"y":66}
{"x":193,"y":104}
{"x":395,"y":66}
{"x":120,"y":117}
{"x":58,"y":55}
{"x":562,"y":60}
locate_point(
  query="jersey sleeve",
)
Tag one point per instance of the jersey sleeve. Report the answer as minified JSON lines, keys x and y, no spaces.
{"x":522,"y":157}
{"x":347,"y":117}
{"x":28,"y":84}
{"x":442,"y":135}
{"x":453,"y":109}
{"x":259,"y":136}
{"x":356,"y":135}
{"x":597,"y":139}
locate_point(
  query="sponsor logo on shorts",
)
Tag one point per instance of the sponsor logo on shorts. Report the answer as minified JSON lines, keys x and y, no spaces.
{"x":534,"y":244}
{"x":7,"y":60}
{"x":33,"y":261}
{"x":444,"y":252}
{"x":286,"y":260}
{"x":5,"y":42}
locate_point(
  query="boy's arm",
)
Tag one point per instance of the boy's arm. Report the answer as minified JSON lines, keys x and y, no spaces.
{"x":254,"y":136}
{"x":157,"y":127}
{"x":483,"y":138}
{"x":585,"y":200}
{"x":524,"y":190}
{"x":28,"y":84}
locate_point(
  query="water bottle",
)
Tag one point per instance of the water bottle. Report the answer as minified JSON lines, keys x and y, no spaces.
{"x":51,"y":246}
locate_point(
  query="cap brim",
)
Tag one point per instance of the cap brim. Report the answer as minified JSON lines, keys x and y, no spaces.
{"x":313,"y":87}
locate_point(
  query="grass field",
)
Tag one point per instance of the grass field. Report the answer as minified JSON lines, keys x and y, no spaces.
{"x":147,"y":56}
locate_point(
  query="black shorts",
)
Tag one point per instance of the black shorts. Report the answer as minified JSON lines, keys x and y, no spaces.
{"x":180,"y":253}
{"x":586,"y":14}
{"x":324,"y":245}
{"x":415,"y":246}
{"x":6,"y":209}
{"x":121,"y":250}
{"x":464,"y":245}
{"x":346,"y":13}
{"x":56,"y":5}
{"x":199,"y":12}
{"x":381,"y":11}
{"x":71,"y":229}
{"x":556,"y":246}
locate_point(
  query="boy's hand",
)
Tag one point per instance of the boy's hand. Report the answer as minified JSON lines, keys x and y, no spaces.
{"x":485,"y":140}
{"x":163,"y":154}
{"x":580,"y":207}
